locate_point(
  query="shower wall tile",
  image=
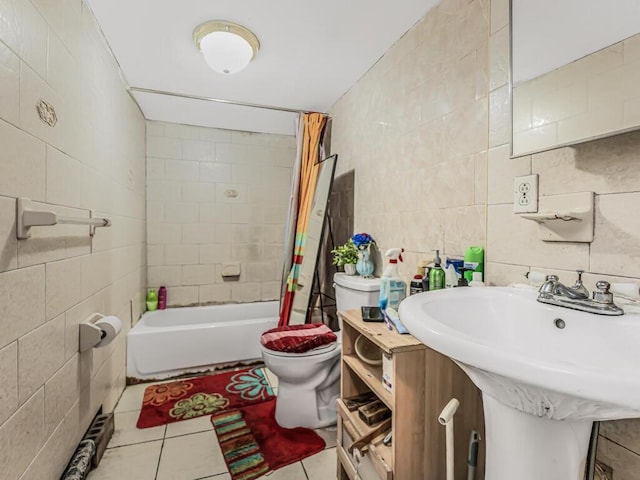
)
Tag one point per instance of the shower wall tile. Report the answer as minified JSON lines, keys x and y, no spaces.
{"x":10,"y":78}
{"x":60,"y":393}
{"x":228,"y":192}
{"x":8,"y":241}
{"x":22,"y":163}
{"x":63,"y":286}
{"x":22,"y":435}
{"x":220,"y":293}
{"x":9,"y":385}
{"x":40,"y":354}
{"x":22,"y":302}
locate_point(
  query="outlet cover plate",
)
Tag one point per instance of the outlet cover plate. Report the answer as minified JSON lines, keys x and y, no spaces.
{"x":525,"y":194}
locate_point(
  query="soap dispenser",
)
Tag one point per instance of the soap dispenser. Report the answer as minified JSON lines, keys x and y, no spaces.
{"x":436,"y":274}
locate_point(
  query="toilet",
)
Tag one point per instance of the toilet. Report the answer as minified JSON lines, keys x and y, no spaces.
{"x":309,"y":382}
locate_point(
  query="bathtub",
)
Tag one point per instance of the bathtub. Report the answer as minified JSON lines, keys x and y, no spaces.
{"x":170,"y":342}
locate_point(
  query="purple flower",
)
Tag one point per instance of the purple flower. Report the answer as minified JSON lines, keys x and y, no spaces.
{"x":362,"y":239}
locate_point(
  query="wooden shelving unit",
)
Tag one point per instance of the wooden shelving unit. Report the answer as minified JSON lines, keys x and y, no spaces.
{"x":423,"y":382}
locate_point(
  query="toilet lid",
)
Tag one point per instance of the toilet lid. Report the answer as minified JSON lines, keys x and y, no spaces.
{"x":298,"y":338}
{"x":309,"y":353}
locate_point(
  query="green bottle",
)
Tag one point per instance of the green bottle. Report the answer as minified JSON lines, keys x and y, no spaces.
{"x":152,"y":300}
{"x":436,"y":274}
{"x":473,"y":261}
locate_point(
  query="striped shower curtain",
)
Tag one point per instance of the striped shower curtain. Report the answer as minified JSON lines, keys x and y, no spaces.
{"x":313,"y":124}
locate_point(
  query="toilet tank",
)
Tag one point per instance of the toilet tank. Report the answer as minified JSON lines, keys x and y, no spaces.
{"x":354,"y":291}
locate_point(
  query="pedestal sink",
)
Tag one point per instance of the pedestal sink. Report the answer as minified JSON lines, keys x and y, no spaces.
{"x":546,"y":373}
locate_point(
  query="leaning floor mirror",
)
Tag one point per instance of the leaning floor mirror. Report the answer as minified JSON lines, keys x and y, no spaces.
{"x":315,"y":229}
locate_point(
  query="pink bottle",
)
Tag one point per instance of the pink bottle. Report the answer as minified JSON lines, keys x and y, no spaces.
{"x":162,"y":298}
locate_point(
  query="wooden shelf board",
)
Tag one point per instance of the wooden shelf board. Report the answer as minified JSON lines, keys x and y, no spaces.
{"x":388,"y":340}
{"x":371,"y":375}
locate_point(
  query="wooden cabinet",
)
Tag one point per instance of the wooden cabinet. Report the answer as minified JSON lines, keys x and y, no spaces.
{"x":423,"y":381}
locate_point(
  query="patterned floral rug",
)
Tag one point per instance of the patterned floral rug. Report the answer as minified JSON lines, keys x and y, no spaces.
{"x":253,"y":444}
{"x":193,"y":397}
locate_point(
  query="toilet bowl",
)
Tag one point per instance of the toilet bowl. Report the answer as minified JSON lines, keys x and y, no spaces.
{"x":308,"y":385}
{"x":309,"y":382}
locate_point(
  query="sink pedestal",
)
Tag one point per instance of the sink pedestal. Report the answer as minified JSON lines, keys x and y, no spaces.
{"x":524,"y":447}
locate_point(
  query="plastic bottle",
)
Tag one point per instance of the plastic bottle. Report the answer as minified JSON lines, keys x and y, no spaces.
{"x":473,"y":261}
{"x":416,"y":284}
{"x":424,"y":265}
{"x":450,"y":277}
{"x":392,"y":288}
{"x":152,"y":300}
{"x":436,"y":274}
{"x":162,"y":298}
{"x":477,"y":280}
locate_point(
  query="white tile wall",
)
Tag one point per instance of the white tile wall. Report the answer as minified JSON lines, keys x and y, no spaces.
{"x":93,"y":158}
{"x":216,"y":196}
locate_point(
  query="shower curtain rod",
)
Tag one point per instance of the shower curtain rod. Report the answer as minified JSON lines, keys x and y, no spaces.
{"x":217,"y":100}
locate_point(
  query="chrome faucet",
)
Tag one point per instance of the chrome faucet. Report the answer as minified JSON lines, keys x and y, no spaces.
{"x":576,"y":297}
{"x":552,"y":286}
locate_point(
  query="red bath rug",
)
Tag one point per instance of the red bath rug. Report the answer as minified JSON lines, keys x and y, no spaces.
{"x":193,"y":397}
{"x":254,"y":444}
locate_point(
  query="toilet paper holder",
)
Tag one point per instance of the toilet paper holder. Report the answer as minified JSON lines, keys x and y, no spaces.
{"x":90,"y":333}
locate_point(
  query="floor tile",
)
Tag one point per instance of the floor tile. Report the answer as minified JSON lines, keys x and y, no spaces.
{"x":126,"y":432}
{"x":224,"y":476}
{"x":135,"y":461}
{"x":186,"y":427}
{"x":190,"y":457}
{"x":322,"y":466}
{"x":290,"y":472}
{"x":329,"y":435}
{"x":131,"y":398}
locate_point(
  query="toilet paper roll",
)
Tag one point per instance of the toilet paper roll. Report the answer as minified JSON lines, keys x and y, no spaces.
{"x":110,"y":328}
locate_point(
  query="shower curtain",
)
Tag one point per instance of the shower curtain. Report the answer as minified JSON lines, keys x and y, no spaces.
{"x":312,"y":125}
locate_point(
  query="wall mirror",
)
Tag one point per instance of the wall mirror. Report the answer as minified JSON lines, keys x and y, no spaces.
{"x":317,"y":220}
{"x":575,"y":71}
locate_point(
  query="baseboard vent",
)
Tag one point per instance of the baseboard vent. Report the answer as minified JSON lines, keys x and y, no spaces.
{"x":100,"y":433}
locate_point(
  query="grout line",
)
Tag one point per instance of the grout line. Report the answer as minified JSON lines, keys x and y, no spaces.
{"x":160,"y":457}
{"x":133,"y":444}
{"x":304,"y":470}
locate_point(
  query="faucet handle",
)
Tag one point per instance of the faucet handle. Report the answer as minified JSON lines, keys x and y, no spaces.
{"x":552,"y":278}
{"x":579,"y":286}
{"x":602,"y":293}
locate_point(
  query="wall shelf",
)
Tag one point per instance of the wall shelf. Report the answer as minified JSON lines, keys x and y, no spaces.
{"x":565,"y":218}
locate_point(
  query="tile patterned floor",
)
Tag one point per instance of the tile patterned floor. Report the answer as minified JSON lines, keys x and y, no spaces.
{"x":188,"y":450}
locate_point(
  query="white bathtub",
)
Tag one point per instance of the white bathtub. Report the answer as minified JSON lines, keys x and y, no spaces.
{"x":170,"y":342}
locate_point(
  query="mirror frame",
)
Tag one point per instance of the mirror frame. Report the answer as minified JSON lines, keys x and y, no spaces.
{"x":300,"y":303}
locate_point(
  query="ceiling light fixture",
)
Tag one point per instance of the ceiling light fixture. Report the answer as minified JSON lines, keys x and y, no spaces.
{"x":227,"y":47}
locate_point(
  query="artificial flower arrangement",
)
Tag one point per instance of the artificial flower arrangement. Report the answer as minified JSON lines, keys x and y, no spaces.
{"x":354,"y":249}
{"x":346,"y":254}
{"x":362,"y":240}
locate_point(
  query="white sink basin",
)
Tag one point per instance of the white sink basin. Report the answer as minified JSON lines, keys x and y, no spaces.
{"x":514,"y":350}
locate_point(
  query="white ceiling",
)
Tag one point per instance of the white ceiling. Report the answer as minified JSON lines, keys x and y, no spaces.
{"x":310,"y":55}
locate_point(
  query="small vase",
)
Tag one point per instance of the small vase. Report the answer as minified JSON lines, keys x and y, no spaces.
{"x":350,"y":268}
{"x":364,"y":266}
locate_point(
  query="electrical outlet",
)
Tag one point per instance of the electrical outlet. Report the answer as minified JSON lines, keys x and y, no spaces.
{"x":525,"y":194}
